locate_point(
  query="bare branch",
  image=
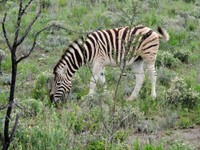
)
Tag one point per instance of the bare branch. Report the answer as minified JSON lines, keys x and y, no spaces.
{"x":18,"y":24}
{"x":36,"y":36}
{"x":34,"y":43}
{"x":15,"y":126}
{"x":16,"y":121}
{"x":3,"y":107}
{"x":5,"y":32}
{"x":23,"y":10}
{"x":68,"y":30}
{"x":125,"y":118}
{"x":28,"y":28}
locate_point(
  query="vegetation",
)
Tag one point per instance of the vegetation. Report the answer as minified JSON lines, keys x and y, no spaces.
{"x":100,"y":122}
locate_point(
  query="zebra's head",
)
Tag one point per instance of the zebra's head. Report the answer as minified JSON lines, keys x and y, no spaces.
{"x":59,"y":87}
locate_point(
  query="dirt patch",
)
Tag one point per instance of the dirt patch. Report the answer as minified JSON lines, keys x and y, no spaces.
{"x":188,"y":137}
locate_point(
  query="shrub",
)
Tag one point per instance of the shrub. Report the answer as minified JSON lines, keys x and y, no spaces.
{"x":145,"y":90}
{"x":34,"y":107}
{"x":165,"y":76}
{"x":189,"y":1}
{"x":166,"y":59}
{"x":120,"y":135}
{"x":6,"y":64}
{"x":46,"y":3}
{"x":3,"y":97}
{"x":152,"y":18}
{"x":183,"y":56}
{"x":180,"y":94}
{"x":41,"y":88}
{"x":96,"y":145}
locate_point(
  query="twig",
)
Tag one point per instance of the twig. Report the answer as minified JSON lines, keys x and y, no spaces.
{"x":18,"y":24}
{"x":16,"y":123}
{"x":34,"y":43}
{"x":4,"y":107}
{"x":5,"y":32}
{"x":23,"y":10}
{"x":125,"y":118}
{"x":28,"y":28}
{"x":122,"y":69}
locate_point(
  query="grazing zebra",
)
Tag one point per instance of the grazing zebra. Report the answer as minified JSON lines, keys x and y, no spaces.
{"x":129,"y":45}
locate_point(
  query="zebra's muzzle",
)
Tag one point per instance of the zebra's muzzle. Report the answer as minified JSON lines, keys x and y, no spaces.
{"x":52,"y":97}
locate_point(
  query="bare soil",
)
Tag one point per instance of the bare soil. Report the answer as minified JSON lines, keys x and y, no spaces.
{"x":188,"y":137}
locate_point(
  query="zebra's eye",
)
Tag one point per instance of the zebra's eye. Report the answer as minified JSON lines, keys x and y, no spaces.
{"x":59,"y":83}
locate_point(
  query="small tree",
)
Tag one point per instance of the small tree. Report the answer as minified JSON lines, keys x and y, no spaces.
{"x":7,"y":137}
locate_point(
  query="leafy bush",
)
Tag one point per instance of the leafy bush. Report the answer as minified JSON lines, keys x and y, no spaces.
{"x":180,"y":94}
{"x":121,"y":135}
{"x":165,"y":76}
{"x":6,"y":64}
{"x":152,"y":19}
{"x":96,"y":145}
{"x":4,"y":95}
{"x":183,"y":56}
{"x":41,"y":88}
{"x":189,"y":1}
{"x":34,"y":107}
{"x":46,"y":3}
{"x":166,"y":59}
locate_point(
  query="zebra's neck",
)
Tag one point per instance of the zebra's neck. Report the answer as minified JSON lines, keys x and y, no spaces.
{"x":72,"y":59}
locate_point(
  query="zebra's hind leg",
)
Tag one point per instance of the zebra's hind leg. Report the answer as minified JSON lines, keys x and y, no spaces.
{"x":98,"y":75}
{"x":139,"y":75}
{"x":152,"y":76}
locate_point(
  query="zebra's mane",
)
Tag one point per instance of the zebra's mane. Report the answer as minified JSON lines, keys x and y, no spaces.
{"x":77,"y":41}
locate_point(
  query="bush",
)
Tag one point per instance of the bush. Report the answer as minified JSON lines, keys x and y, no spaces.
{"x":165,"y":76}
{"x":96,"y":145}
{"x":34,"y":107}
{"x":41,"y":88}
{"x":180,"y":94}
{"x":189,"y":1}
{"x":46,"y":3}
{"x":183,"y":56}
{"x":166,"y":59}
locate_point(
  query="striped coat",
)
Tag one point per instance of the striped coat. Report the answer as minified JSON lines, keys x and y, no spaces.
{"x":130,"y":45}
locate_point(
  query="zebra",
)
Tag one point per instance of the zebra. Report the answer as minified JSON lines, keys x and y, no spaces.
{"x":109,"y":48}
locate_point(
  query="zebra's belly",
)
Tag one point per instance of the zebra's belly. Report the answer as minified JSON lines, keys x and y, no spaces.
{"x":113,"y":63}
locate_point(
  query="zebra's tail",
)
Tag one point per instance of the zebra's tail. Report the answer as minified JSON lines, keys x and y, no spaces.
{"x":163,"y":34}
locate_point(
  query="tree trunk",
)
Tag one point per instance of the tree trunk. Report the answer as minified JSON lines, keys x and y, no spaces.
{"x":7,"y":139}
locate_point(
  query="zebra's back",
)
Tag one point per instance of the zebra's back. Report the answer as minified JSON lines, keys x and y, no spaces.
{"x":112,"y":45}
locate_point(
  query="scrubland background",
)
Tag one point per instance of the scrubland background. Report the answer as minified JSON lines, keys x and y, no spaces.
{"x":171,"y":121}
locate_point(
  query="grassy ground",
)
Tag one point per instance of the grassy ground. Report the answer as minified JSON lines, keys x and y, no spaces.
{"x":89,"y":122}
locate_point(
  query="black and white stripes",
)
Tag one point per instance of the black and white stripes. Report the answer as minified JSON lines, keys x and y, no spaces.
{"x":109,"y":47}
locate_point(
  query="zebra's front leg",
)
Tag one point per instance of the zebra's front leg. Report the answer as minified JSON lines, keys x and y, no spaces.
{"x":98,"y":75}
{"x":139,"y":75}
